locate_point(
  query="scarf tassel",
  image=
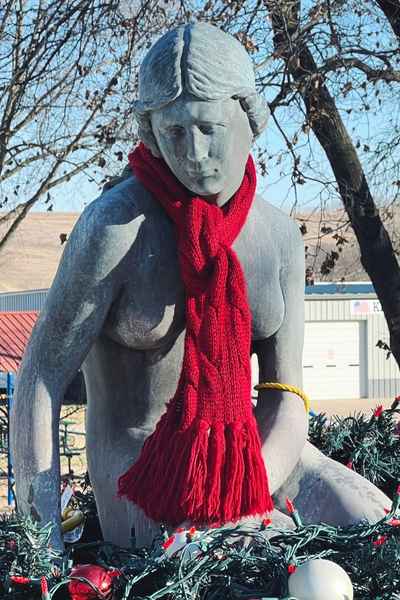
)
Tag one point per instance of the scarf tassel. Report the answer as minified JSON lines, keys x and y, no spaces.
{"x":205,"y":475}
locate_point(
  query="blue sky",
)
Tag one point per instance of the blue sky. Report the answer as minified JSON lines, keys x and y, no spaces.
{"x":367,"y":127}
{"x":275,"y":187}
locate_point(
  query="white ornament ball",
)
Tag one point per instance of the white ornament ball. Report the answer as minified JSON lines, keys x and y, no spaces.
{"x":320,"y":579}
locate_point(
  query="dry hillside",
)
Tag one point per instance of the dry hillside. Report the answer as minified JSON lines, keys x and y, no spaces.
{"x":327,"y":236}
{"x":30,"y":258}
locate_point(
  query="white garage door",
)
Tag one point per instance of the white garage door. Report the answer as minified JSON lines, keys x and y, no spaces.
{"x":331,"y":360}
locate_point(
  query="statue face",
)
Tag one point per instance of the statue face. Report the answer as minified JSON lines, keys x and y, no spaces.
{"x":205,"y":144}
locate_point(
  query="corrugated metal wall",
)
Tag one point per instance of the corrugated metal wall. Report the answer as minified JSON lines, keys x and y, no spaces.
{"x":22,"y":301}
{"x":383,"y":372}
{"x":383,"y":377}
{"x":332,"y":308}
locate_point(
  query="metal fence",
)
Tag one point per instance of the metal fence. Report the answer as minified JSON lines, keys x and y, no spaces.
{"x":72,"y":442}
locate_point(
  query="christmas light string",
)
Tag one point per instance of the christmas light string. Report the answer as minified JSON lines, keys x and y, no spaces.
{"x":225,"y":559}
{"x":368,"y":445}
{"x":247,"y":561}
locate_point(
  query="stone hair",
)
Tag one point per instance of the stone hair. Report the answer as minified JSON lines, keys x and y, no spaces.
{"x":204,"y":61}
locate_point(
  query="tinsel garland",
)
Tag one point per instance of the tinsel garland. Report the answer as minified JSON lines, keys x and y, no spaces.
{"x":240,"y":562}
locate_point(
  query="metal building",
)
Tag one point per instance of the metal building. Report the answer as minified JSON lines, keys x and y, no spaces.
{"x":22,"y":301}
{"x":343,"y":325}
{"x":18,"y":314}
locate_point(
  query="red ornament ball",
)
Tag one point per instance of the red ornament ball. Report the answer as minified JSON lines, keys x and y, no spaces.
{"x":91,"y":582}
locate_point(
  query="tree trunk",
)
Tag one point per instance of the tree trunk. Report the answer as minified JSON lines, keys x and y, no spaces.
{"x":391,"y":10}
{"x":377,"y":253}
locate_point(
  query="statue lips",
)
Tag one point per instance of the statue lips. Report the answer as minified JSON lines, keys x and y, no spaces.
{"x":202,"y":174}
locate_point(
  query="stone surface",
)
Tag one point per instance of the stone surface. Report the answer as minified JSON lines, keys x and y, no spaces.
{"x":117,"y":307}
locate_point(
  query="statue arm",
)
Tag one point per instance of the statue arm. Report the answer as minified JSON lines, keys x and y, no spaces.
{"x":282,"y":420}
{"x":75,"y":310}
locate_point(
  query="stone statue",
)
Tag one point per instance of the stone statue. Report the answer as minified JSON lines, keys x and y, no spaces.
{"x":116,"y":306}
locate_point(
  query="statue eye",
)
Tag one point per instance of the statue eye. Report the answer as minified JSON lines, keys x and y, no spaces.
{"x":206,"y":129}
{"x":176,"y":131}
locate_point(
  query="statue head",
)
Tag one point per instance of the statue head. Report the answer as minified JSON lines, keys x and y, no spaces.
{"x":198,"y":107}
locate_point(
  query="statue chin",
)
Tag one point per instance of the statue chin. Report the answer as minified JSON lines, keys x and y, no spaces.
{"x":209,"y":188}
{"x":209,"y":194}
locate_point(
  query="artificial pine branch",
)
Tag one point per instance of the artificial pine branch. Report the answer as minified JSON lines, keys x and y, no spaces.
{"x":227,"y":565}
{"x":369,"y":445}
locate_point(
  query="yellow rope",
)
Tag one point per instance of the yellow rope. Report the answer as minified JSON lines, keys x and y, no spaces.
{"x":286,"y":388}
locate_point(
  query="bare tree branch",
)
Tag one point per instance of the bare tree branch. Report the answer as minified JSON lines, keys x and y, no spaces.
{"x":391,"y":10}
{"x":354,"y":63}
{"x":377,"y":252}
{"x":67,"y":81}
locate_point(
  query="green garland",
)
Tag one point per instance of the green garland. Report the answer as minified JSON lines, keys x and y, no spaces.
{"x":368,"y":445}
{"x":241,"y":562}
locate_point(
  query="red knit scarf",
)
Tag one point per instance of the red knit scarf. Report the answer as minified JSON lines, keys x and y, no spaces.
{"x":203,"y":462}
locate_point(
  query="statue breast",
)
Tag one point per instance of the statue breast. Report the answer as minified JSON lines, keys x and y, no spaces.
{"x":149,"y":310}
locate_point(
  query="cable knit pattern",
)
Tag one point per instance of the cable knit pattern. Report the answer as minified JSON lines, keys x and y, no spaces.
{"x":203,"y":463}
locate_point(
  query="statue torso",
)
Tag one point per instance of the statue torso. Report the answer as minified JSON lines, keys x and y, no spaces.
{"x":148,"y":312}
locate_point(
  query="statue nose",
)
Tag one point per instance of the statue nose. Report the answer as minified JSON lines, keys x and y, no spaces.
{"x":197,"y":148}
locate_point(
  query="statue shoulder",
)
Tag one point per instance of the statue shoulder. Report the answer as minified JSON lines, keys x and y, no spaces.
{"x":284,"y":230}
{"x":108,"y":227}
{"x":121,"y":208}
{"x":122,"y":203}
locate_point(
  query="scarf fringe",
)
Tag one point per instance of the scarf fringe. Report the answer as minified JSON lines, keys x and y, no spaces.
{"x":205,"y":475}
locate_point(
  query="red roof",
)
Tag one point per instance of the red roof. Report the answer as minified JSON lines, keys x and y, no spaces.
{"x":15,"y":331}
